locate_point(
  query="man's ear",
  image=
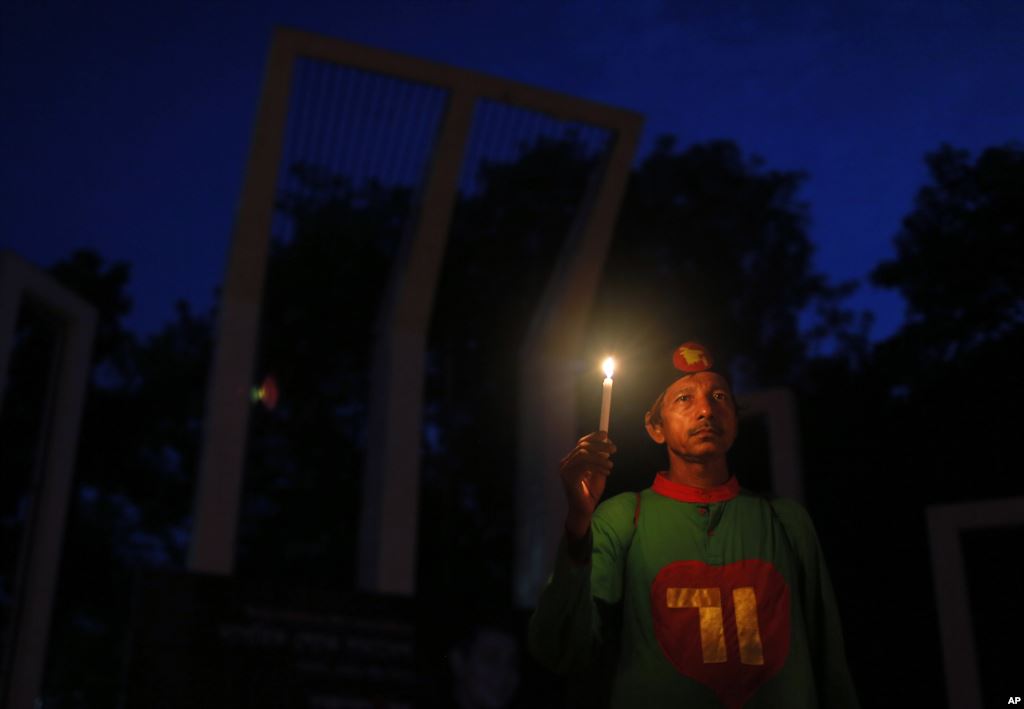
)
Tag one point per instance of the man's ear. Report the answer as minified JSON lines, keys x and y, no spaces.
{"x":653,"y":430}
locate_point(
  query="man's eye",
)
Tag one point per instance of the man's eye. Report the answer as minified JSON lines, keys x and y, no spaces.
{"x":721,"y":395}
{"x":683,"y":397}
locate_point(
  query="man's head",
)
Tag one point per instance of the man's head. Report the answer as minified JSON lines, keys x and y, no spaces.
{"x":695,"y":416}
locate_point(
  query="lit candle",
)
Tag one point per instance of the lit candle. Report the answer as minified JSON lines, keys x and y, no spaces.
{"x":606,"y":394}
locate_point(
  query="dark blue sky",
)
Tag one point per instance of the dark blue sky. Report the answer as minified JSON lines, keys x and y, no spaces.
{"x":125,"y":126}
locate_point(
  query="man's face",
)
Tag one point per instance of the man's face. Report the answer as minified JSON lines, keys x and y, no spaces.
{"x":698,"y":417}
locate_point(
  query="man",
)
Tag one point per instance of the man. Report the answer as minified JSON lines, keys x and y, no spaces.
{"x":723,"y":595}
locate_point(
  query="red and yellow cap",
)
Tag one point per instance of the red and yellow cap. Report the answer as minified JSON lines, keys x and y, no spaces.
{"x":692,"y":357}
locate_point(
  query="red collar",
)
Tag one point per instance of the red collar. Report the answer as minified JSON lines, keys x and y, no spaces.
{"x":687,"y":493}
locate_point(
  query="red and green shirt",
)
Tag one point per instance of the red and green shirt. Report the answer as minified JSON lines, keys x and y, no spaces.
{"x":725,"y":602}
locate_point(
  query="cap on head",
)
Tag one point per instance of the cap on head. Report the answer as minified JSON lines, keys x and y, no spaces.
{"x":691,"y":357}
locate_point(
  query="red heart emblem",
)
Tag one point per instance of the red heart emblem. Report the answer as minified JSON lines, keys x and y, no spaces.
{"x":726,"y":627}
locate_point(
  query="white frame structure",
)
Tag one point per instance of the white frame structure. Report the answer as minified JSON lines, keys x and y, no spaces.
{"x":40,"y":552}
{"x":389,"y":523}
{"x":956,"y":629}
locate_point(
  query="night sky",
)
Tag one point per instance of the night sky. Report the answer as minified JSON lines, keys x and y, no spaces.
{"x":125,"y":126}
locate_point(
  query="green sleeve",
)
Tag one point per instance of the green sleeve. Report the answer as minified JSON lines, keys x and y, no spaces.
{"x":565,"y":628}
{"x":824,"y":629}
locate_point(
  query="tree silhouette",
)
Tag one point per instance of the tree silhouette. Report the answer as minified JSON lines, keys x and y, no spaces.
{"x":710,"y":246}
{"x":960,"y":266}
{"x":960,"y":254}
{"x":709,"y":237}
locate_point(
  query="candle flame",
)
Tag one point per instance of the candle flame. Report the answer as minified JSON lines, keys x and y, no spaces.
{"x":609,"y":367}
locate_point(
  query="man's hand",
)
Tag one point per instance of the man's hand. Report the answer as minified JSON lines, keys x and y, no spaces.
{"x":584,"y":473}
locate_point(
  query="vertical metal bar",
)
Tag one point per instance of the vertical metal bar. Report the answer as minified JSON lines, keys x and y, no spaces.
{"x":363,"y":105}
{"x":349,"y":116}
